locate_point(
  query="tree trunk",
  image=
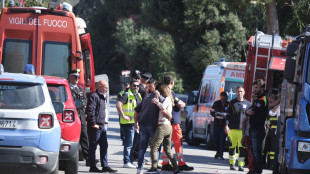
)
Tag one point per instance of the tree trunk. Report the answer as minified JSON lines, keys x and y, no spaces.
{"x":272,"y":18}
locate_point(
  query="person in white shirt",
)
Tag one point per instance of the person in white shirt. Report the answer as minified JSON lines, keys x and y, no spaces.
{"x":164,"y":129}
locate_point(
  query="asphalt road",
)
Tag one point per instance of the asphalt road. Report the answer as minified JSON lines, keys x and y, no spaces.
{"x":201,"y":159}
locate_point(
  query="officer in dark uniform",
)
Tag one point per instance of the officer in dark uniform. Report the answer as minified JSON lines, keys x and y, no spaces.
{"x":258,"y":113}
{"x":145,"y":77}
{"x":78,"y":93}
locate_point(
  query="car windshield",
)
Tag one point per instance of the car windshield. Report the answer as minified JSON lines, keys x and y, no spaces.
{"x":57,"y":93}
{"x":20,"y":96}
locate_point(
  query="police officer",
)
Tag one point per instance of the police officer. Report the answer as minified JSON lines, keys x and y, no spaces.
{"x":145,"y":77}
{"x":78,"y":94}
{"x":127,"y":100}
{"x":258,"y":113}
{"x":219,"y":111}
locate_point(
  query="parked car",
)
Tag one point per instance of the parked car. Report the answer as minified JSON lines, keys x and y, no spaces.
{"x":29,"y":129}
{"x":187,"y":111}
{"x":69,"y":120}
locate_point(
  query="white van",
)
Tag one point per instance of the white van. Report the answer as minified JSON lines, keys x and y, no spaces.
{"x":223,"y":76}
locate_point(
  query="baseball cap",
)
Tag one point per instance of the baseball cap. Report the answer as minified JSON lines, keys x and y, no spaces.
{"x":136,"y":74}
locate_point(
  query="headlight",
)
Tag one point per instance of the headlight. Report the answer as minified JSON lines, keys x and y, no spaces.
{"x":303,"y":147}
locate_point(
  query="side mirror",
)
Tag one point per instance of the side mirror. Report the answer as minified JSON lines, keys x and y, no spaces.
{"x":292,"y":48}
{"x":289,"y":71}
{"x":78,"y":104}
{"x":59,"y":107}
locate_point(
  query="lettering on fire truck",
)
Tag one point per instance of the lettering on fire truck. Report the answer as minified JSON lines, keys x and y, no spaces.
{"x":35,"y":21}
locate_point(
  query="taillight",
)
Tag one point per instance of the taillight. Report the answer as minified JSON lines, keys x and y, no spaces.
{"x":68,"y":116}
{"x":46,"y":121}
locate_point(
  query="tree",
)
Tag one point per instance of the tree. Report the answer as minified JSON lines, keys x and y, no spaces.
{"x":202,"y":31}
{"x":145,"y":48}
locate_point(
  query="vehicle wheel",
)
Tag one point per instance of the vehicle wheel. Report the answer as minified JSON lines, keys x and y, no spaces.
{"x":209,"y":141}
{"x":190,"y":138}
{"x":80,"y":153}
{"x":72,"y":165}
{"x":284,"y":169}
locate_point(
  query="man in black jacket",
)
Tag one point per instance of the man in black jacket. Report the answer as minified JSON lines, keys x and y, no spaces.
{"x":96,"y":114}
{"x":219,"y":111}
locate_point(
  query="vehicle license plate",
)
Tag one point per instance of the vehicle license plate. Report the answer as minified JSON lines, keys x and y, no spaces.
{"x":8,"y":123}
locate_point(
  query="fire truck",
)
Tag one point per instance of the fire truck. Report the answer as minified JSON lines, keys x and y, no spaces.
{"x":294,"y":131}
{"x":223,"y":76}
{"x":266,"y":60}
{"x":52,"y":39}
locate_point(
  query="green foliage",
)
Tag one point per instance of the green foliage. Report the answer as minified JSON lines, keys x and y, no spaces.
{"x":144,"y":48}
{"x":31,"y":3}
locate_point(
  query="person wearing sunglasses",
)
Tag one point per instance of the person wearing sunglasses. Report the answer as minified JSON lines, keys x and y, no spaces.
{"x":127,"y":100}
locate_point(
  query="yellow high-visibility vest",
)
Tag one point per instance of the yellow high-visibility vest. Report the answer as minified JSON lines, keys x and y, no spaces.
{"x":129,"y":107}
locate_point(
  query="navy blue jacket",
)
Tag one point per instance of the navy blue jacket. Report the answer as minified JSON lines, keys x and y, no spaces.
{"x":96,"y":109}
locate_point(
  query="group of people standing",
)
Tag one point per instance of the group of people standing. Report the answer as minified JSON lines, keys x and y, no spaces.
{"x":150,"y":115}
{"x":245,"y":125}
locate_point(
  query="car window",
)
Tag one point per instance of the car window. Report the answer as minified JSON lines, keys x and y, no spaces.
{"x":57,"y":93}
{"x":20,"y":96}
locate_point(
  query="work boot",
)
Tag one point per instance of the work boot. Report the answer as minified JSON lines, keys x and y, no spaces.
{"x":232,"y":167}
{"x":241,"y":168}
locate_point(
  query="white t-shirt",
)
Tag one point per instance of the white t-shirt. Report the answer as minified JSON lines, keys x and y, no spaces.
{"x":167,"y":105}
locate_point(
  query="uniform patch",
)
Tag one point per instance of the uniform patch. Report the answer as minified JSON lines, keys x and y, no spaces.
{"x":258,"y":105}
{"x":244,"y":106}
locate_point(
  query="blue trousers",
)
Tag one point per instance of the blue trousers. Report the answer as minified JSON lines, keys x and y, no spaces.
{"x":128,"y":132}
{"x":257,"y":137}
{"x":97,"y":136}
{"x":146,"y":133}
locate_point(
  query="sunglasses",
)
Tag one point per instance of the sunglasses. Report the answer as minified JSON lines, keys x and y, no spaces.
{"x":76,"y":77}
{"x":135,"y":85}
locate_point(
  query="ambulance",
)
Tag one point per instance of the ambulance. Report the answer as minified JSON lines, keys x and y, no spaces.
{"x":223,"y":76}
{"x":52,"y":39}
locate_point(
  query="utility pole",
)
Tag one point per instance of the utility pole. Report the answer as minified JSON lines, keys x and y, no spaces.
{"x":2,"y":4}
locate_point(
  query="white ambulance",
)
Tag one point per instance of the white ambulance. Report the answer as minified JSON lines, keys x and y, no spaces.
{"x":223,"y":76}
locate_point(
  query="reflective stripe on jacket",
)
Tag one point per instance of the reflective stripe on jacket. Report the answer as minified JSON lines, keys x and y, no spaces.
{"x":129,"y":107}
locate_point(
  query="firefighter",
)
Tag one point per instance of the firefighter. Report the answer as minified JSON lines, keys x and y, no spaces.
{"x":274,"y":113}
{"x":257,"y":113}
{"x":233,"y":128}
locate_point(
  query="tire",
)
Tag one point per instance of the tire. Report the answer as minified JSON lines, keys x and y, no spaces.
{"x":72,"y":165}
{"x":190,"y":137}
{"x":210,"y":144}
{"x":81,"y":158}
{"x":284,"y":169}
